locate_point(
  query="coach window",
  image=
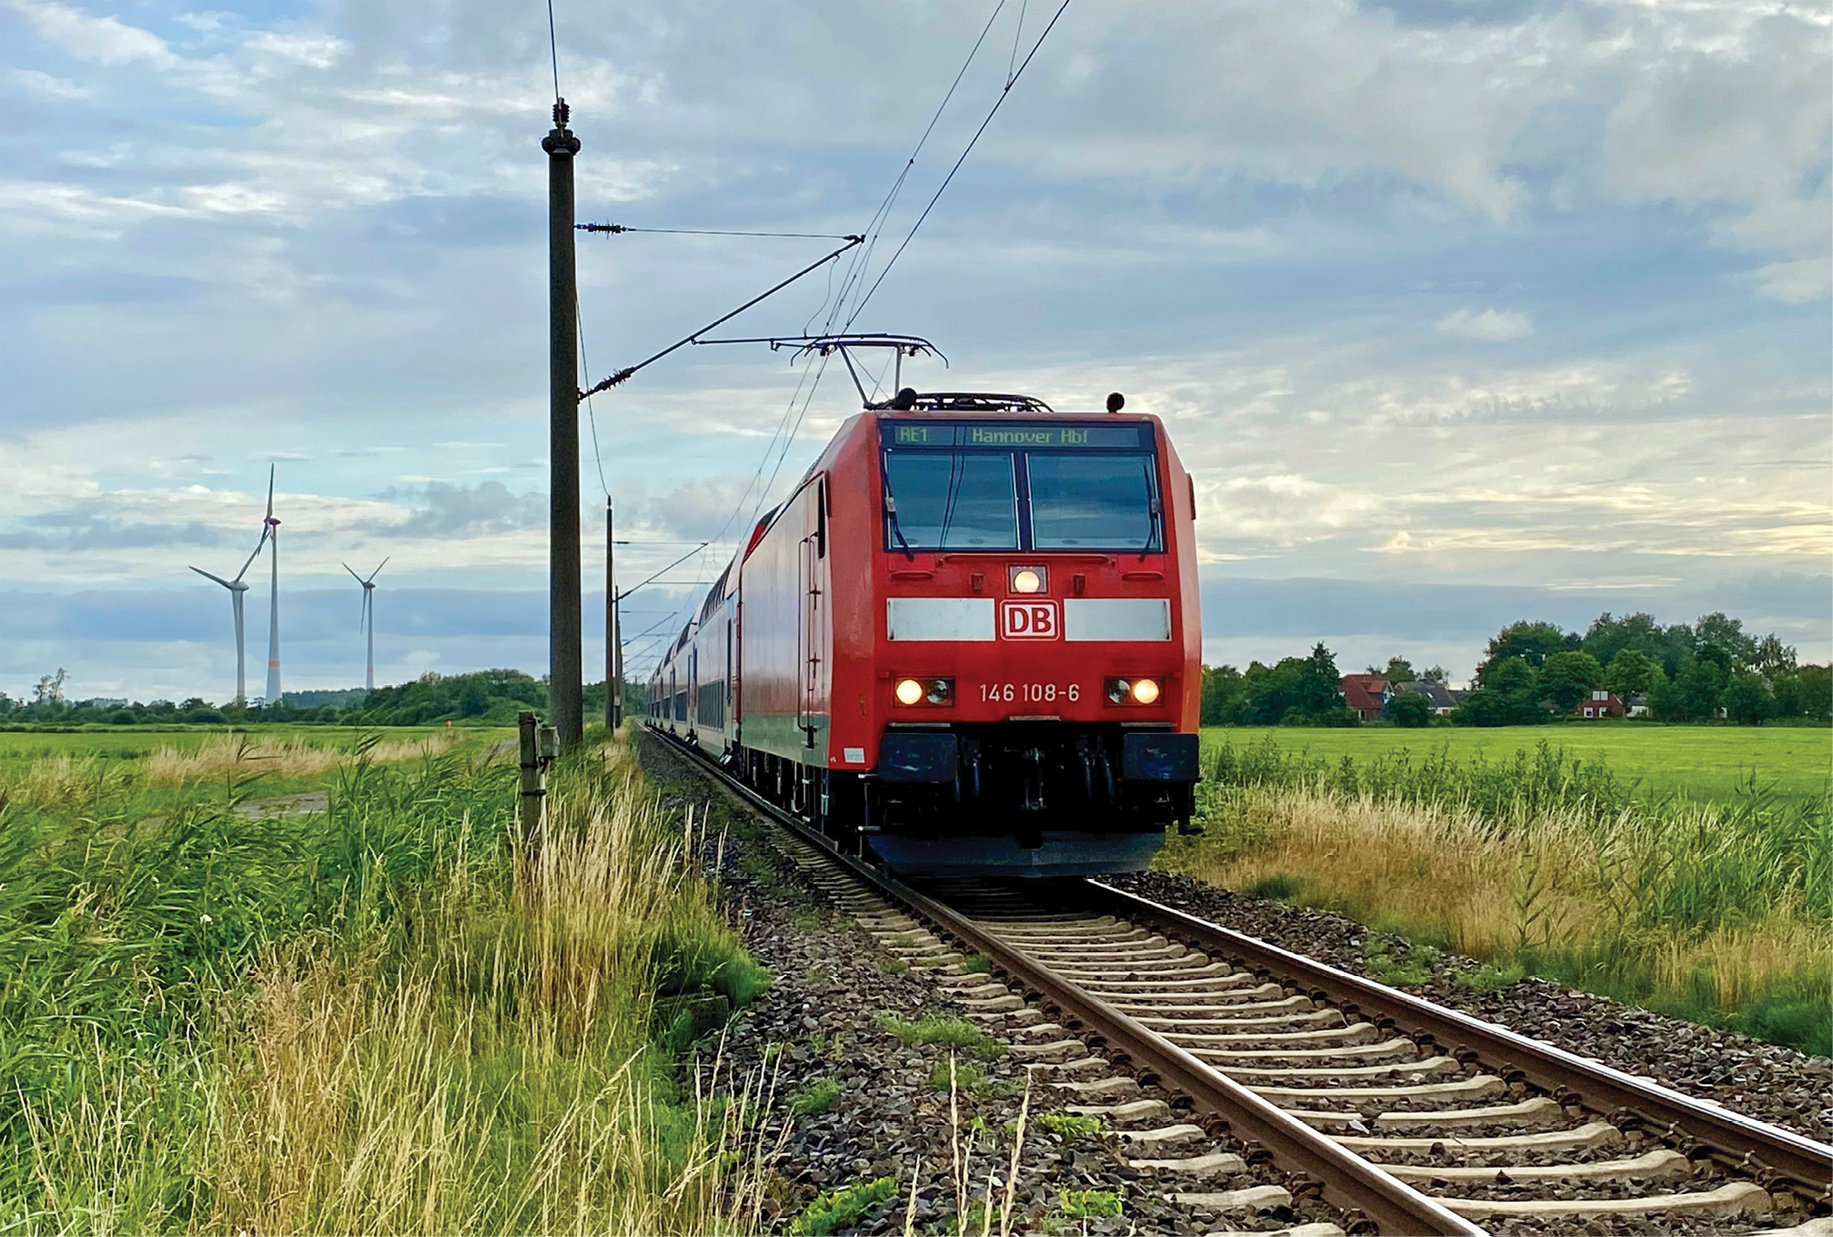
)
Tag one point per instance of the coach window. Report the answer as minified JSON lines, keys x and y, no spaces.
{"x":951,"y":500}
{"x":1101,"y":502}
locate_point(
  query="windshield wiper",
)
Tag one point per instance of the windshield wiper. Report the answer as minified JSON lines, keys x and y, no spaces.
{"x":1157,"y":518}
{"x":891,"y":514}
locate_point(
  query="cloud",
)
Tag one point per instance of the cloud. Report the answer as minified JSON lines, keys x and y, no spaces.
{"x":40,"y":83}
{"x":1286,"y":509}
{"x":1737,"y":115}
{"x":103,"y":40}
{"x":1491,"y":325}
{"x":445,"y":510}
{"x":314,"y":51}
{"x":70,"y":531}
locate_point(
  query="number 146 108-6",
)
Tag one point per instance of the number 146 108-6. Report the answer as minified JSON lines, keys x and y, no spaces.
{"x":1028,"y":693}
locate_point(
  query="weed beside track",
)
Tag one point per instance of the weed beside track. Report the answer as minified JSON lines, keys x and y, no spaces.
{"x":1722,"y":913}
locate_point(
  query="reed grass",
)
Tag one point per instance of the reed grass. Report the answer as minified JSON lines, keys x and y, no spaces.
{"x":398,"y":1017}
{"x":296,"y":755}
{"x":65,"y":778}
{"x":1721,"y":913}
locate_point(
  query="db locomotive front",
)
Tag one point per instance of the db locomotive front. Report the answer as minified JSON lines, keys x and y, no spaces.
{"x":969,"y":641}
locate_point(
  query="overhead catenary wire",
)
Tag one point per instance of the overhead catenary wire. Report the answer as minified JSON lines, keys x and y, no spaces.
{"x":623,"y":374}
{"x":658,"y":575}
{"x":1017,"y":32}
{"x":621,"y":228}
{"x":855,"y":272}
{"x":585,"y":369}
{"x":652,"y":628}
{"x":553,"y":48}
{"x":860,"y":264}
{"x":863,"y":261}
{"x":1004,"y":94}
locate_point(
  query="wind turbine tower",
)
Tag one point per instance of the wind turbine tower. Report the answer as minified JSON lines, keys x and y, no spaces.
{"x":368,"y":620}
{"x":237,"y":587}
{"x":270,"y":531}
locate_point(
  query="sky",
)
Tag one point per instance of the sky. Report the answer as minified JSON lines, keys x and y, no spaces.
{"x":1459,"y":311}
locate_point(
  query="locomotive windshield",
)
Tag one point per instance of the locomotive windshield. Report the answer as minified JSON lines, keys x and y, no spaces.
{"x":1020,"y":486}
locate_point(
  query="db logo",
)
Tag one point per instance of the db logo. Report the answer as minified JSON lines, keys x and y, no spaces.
{"x":1030,"y":620}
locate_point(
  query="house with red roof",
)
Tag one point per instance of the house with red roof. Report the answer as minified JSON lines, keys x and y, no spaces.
{"x":1602,"y":704}
{"x":1366,"y":694}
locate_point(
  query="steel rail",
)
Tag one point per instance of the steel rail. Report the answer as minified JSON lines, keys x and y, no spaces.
{"x":1745,"y":1145}
{"x":1353,"y":1185}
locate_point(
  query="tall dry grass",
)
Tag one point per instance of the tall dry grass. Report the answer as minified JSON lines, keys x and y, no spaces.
{"x":226,"y":755}
{"x":1720,"y":912}
{"x":53,"y":780}
{"x":401,"y":1017}
{"x":492,"y":1068}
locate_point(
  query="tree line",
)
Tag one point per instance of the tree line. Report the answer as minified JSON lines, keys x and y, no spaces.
{"x":1535,"y":672}
{"x":1685,"y":672}
{"x":483,"y":698}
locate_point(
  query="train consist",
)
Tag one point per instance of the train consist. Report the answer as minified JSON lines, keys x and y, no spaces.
{"x":968,"y":641}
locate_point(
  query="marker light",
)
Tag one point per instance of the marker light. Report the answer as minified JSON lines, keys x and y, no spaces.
{"x":1145,"y":691}
{"x":909,"y":691}
{"x":941,"y":691}
{"x":1028,"y":579}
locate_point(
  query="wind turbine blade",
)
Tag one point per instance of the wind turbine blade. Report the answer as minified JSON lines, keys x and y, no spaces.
{"x":270,"y":491}
{"x":256,"y":554}
{"x":353,"y":575}
{"x":219,"y":579}
{"x":378,"y":570}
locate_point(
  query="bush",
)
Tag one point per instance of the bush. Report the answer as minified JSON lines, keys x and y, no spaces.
{"x":1408,"y":709}
{"x":814,"y":1098}
{"x":843,"y":1209}
{"x":1747,"y":700}
{"x":1089,"y":1204}
{"x":954,"y":1032}
{"x":1067,"y":1125}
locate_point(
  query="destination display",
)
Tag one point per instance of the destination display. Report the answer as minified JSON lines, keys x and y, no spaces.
{"x":1006,"y":435}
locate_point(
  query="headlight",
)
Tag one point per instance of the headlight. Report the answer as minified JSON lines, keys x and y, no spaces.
{"x":1134,"y":691}
{"x":936,"y":691}
{"x":1028,"y":579}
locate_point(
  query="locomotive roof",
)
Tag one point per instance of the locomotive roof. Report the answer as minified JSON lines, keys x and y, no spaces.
{"x":909,"y":403}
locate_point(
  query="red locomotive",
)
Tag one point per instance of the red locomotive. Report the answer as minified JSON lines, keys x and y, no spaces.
{"x":969,"y":641}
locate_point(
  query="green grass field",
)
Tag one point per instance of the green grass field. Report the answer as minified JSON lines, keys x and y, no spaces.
{"x":134,"y":742}
{"x":1699,"y":762}
{"x":125,"y":764}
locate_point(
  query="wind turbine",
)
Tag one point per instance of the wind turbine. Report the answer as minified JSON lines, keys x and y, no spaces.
{"x":237,"y":587}
{"x":270,"y":531}
{"x":368,"y":619}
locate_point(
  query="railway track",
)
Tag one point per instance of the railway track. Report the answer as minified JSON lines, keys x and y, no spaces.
{"x":1402,"y":1115}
